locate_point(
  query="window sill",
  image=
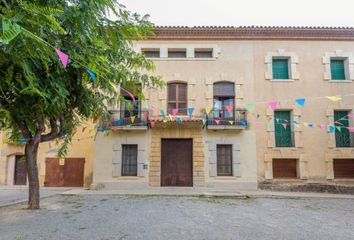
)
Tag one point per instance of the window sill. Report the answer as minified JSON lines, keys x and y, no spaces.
{"x":224,"y":177}
{"x":340,"y":81}
{"x":282,"y":80}
{"x":182,"y":59}
{"x":280,"y":148}
{"x":128,"y":178}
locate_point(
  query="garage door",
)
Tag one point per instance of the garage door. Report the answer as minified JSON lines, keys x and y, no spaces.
{"x":64,"y":173}
{"x":343,"y":168}
{"x":284,"y":168}
{"x":176,"y":162}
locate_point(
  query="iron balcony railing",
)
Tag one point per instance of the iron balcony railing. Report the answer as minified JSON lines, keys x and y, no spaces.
{"x":344,"y":139}
{"x":231,"y":118}
{"x":129,"y":117}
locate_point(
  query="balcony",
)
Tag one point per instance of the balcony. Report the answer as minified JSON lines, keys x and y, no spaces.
{"x":221,"y":119}
{"x":129,"y":120}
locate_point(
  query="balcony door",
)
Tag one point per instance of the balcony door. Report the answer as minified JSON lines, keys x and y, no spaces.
{"x":224,"y":100}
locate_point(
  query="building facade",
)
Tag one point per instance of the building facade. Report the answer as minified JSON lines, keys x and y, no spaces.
{"x":241,"y":106}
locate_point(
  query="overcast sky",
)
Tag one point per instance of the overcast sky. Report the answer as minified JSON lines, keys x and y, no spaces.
{"x":246,"y":12}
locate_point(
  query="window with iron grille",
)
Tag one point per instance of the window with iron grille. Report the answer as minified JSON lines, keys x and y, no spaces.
{"x":129,"y":160}
{"x":342,"y":134}
{"x":224,"y":160}
{"x":280,"y":68}
{"x":337,"y":69}
{"x":283,"y":129}
{"x":177,"y":97}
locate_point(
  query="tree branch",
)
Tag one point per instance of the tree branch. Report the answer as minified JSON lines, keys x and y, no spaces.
{"x":55,"y":130}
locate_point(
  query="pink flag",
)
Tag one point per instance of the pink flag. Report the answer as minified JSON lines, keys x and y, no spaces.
{"x":129,"y":93}
{"x":154,"y":110}
{"x":63,"y":57}
{"x":351,"y":129}
{"x":217,"y":122}
{"x":351,"y":115}
{"x":146,"y":116}
{"x":174,"y":112}
{"x":284,"y":125}
{"x":152,"y":124}
{"x":228,"y":108}
{"x":272,"y":104}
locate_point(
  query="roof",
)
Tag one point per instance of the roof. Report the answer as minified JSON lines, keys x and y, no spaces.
{"x":252,"y":33}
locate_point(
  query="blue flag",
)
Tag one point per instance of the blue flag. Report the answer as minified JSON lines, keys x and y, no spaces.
{"x":190,"y":112}
{"x":300,"y":101}
{"x":92,"y":74}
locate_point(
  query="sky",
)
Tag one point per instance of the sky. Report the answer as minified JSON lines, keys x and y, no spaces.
{"x":246,"y":12}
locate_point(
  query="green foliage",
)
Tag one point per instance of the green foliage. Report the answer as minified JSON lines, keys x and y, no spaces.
{"x":37,"y":95}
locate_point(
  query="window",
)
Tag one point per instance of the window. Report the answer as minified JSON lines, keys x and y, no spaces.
{"x":337,"y":69}
{"x":177,"y":53}
{"x":224,"y":160}
{"x":203,"y":53}
{"x":151,"y":53}
{"x":280,"y":68}
{"x":177,"y":97}
{"x":224,"y":95}
{"x":283,"y":129}
{"x":128,"y":107}
{"x":129,"y":160}
{"x":342,"y":134}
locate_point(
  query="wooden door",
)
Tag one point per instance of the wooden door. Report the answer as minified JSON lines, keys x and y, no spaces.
{"x":343,"y":168}
{"x":284,"y":168}
{"x":20,"y":176}
{"x":176,"y":162}
{"x":68,"y":174}
{"x":74,"y":172}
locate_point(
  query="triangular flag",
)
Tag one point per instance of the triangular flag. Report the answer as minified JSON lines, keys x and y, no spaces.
{"x":204,"y":121}
{"x":129,"y":93}
{"x":146,"y":116}
{"x":163,"y":113}
{"x":217,"y":122}
{"x":296,"y":122}
{"x":300,"y":101}
{"x":284,"y":125}
{"x":207,"y":110}
{"x":305,"y":124}
{"x":334,"y":98}
{"x":152,"y":124}
{"x":128,"y":126}
{"x":179,"y":120}
{"x":277,"y":120}
{"x":229,"y":108}
{"x":132,"y":119}
{"x":331,"y":128}
{"x":339,"y":129}
{"x":120,"y":122}
{"x":170,"y":117}
{"x":63,"y":57}
{"x":351,"y":129}
{"x":249,"y":107}
{"x":91,"y":73}
{"x":165,"y":121}
{"x":310,"y":125}
{"x":154,"y":110}
{"x":322,"y":126}
{"x":272,"y":104}
{"x":190,"y":112}
{"x":231,"y":122}
{"x":174,"y":112}
{"x":351,"y":115}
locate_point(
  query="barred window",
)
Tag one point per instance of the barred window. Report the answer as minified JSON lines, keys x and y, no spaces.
{"x":129,"y":160}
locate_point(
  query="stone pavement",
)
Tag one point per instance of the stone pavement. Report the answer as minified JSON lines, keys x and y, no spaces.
{"x":201,"y":191}
{"x":13,"y":195}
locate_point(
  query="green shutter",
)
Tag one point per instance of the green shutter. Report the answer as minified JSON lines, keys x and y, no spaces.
{"x":342,"y":136}
{"x":280,"y":69}
{"x":337,"y":70}
{"x":283,"y":133}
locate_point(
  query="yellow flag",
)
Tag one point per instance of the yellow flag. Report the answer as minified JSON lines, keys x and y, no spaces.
{"x":170,"y":117}
{"x":165,"y":121}
{"x":207,"y":110}
{"x":231,"y":122}
{"x":132,"y":119}
{"x":306,"y":125}
{"x":334,"y":98}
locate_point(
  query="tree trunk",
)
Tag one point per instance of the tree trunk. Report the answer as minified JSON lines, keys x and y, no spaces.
{"x":31,"y":150}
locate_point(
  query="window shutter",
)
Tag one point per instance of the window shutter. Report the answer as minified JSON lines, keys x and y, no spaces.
{"x":224,"y":89}
{"x":182,"y":92}
{"x":129,"y":161}
{"x":224,"y":160}
{"x":337,"y":70}
{"x":283,"y":132}
{"x":172,"y":94}
{"x":280,"y":68}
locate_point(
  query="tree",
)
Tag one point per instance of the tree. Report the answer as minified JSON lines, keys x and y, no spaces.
{"x":40,"y":100}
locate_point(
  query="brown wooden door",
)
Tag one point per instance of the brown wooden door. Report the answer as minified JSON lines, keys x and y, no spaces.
{"x":343,"y":168}
{"x":176,"y":162}
{"x":284,"y":168}
{"x":20,"y":176}
{"x":71,"y":174}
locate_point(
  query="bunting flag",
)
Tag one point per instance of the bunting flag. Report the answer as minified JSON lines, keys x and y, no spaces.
{"x":217,"y":122}
{"x":129,"y":93}
{"x":272,"y":104}
{"x":351,"y":129}
{"x":322,"y":126}
{"x":334,"y":98}
{"x":296,"y":122}
{"x":63,"y":57}
{"x":331,"y":128}
{"x":37,"y":141}
{"x":174,"y":112}
{"x":91,"y":73}
{"x":229,"y":108}
{"x":163,"y":113}
{"x":207,"y":110}
{"x":249,"y":107}
{"x":22,"y":140}
{"x":170,"y":117}
{"x":339,"y":129}
{"x":305,"y":124}
{"x":128,"y":126}
{"x":154,"y":110}
{"x":350,"y":115}
{"x":146,"y":116}
{"x":179,"y":120}
{"x":132,"y":119}
{"x":152,"y":123}
{"x":120,"y":122}
{"x":300,"y":101}
{"x":190,"y":112}
{"x":285,"y":125}
{"x":231,"y":122}
{"x":165,"y":121}
{"x":277,"y":120}
{"x":310,"y":125}
{"x":204,"y":121}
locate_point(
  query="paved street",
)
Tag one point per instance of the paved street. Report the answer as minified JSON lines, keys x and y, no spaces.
{"x":141,"y":217}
